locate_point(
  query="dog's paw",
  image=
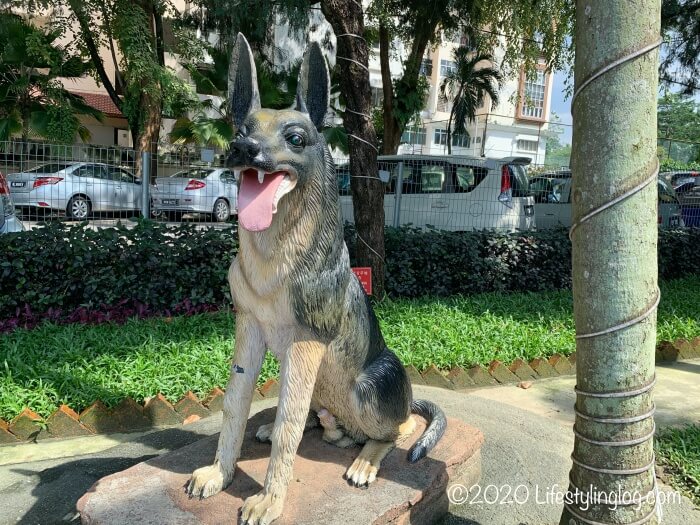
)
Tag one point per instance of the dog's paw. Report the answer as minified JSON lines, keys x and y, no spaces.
{"x":264,"y":433}
{"x":261,"y":509}
{"x":206,"y":481}
{"x":362,"y":472}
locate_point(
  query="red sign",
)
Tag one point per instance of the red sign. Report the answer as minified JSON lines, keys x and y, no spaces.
{"x":365,"y":277}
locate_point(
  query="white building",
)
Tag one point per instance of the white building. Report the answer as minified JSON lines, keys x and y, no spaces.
{"x":514,"y":128}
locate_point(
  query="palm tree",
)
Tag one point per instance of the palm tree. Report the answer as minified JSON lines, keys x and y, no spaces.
{"x":466,"y":86}
{"x":277,"y":91}
{"x":32,"y":100}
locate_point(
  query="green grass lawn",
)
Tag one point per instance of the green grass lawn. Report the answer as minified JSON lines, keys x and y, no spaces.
{"x":77,"y":364}
{"x":678,"y":452}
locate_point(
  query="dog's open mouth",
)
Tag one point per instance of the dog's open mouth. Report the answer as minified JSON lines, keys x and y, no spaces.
{"x":258,"y":196}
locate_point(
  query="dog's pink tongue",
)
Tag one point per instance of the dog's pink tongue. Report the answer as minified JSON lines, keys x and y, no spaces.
{"x":255,"y":200}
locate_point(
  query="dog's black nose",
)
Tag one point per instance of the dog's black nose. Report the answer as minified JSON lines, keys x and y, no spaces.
{"x":245,"y":149}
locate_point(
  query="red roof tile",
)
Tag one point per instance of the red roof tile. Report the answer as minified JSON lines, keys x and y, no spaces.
{"x":101,"y":102}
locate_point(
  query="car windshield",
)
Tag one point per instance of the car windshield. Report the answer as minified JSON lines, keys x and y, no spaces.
{"x":49,"y":168}
{"x":521,"y":186}
{"x":193,"y":174}
{"x":666,"y":192}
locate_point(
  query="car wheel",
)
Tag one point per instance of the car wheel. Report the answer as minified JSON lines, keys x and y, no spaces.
{"x":221,"y":210}
{"x":78,"y":208}
{"x":155,"y":213}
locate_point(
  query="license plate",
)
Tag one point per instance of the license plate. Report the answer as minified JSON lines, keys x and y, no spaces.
{"x":17,"y":184}
{"x":529,"y":211}
{"x":170,"y":201}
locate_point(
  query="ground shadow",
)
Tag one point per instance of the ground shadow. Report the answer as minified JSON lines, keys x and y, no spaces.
{"x":59,"y":487}
{"x":686,"y":366}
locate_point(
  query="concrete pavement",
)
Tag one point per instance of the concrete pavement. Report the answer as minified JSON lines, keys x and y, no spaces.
{"x":528,"y":443}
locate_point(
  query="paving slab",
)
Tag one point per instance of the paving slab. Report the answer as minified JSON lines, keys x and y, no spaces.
{"x":318,"y":494}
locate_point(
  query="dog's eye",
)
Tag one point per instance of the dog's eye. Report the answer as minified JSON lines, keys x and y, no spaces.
{"x":241,"y":133}
{"x":296,"y":140}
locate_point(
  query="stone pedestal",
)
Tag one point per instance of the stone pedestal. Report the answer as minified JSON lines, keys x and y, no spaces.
{"x":152,"y":492}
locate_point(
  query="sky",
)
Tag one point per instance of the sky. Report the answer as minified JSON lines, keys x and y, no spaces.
{"x":561,"y":105}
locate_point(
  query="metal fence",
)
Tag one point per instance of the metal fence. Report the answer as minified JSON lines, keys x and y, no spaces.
{"x":682,"y":151}
{"x":104,"y":185}
{"x":449,"y":193}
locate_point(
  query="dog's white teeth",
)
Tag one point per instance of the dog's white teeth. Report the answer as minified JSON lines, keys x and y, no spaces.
{"x":261,"y":175}
{"x":237,"y":174}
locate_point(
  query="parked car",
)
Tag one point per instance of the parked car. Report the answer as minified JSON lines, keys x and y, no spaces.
{"x":679,"y":178}
{"x":197,"y":190}
{"x":8,"y":218}
{"x":76,"y":188}
{"x":452,"y":192}
{"x":552,"y":192}
{"x":686,"y":184}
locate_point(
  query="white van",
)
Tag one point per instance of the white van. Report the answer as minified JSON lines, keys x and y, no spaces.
{"x":450,"y":192}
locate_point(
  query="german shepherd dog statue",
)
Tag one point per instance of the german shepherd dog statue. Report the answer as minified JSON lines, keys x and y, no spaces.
{"x":296,"y":295}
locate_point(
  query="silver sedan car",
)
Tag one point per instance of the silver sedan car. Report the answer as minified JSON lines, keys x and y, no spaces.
{"x":76,"y":188}
{"x":197,"y":190}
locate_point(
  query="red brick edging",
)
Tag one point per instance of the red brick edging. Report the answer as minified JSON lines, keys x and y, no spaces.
{"x":157,"y":411}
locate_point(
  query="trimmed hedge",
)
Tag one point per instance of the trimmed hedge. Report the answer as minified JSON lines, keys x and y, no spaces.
{"x":152,"y":268}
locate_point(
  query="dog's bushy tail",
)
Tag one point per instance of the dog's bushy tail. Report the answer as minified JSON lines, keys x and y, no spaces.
{"x":436,"y":428}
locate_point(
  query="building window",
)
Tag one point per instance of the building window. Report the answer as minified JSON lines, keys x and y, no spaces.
{"x":440,"y":137}
{"x":461,"y":140}
{"x":527,"y":145}
{"x":533,"y":96}
{"x":426,"y":67}
{"x":443,"y":104}
{"x":413,"y":136}
{"x":447,"y":67}
{"x":467,"y":42}
{"x":377,"y":96}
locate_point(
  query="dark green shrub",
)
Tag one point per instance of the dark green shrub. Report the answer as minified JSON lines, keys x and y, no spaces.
{"x":679,"y":253}
{"x":59,"y":267}
{"x":67,"y":267}
{"x":421,"y":263}
{"x":675,"y":165}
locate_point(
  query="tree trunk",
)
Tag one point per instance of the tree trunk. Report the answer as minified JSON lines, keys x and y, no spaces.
{"x":614,"y":263}
{"x":147,"y":135}
{"x":26,"y":115}
{"x":392,"y":131}
{"x":84,"y":22}
{"x":347,"y":17}
{"x":450,"y":120}
{"x":150,"y":102}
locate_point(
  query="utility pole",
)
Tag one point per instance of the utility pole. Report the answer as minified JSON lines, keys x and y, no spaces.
{"x":614,"y":239}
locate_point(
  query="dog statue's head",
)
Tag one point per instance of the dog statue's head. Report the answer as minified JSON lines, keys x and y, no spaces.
{"x":275,"y":153}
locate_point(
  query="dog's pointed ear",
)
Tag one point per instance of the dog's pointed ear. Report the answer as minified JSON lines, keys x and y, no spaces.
{"x":313,"y":91}
{"x":243,"y":92}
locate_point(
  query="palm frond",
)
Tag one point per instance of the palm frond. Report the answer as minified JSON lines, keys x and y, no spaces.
{"x":337,"y":137}
{"x":10,"y":125}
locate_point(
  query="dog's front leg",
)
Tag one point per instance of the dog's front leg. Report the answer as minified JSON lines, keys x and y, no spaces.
{"x":299,"y":369}
{"x":247,"y":361}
